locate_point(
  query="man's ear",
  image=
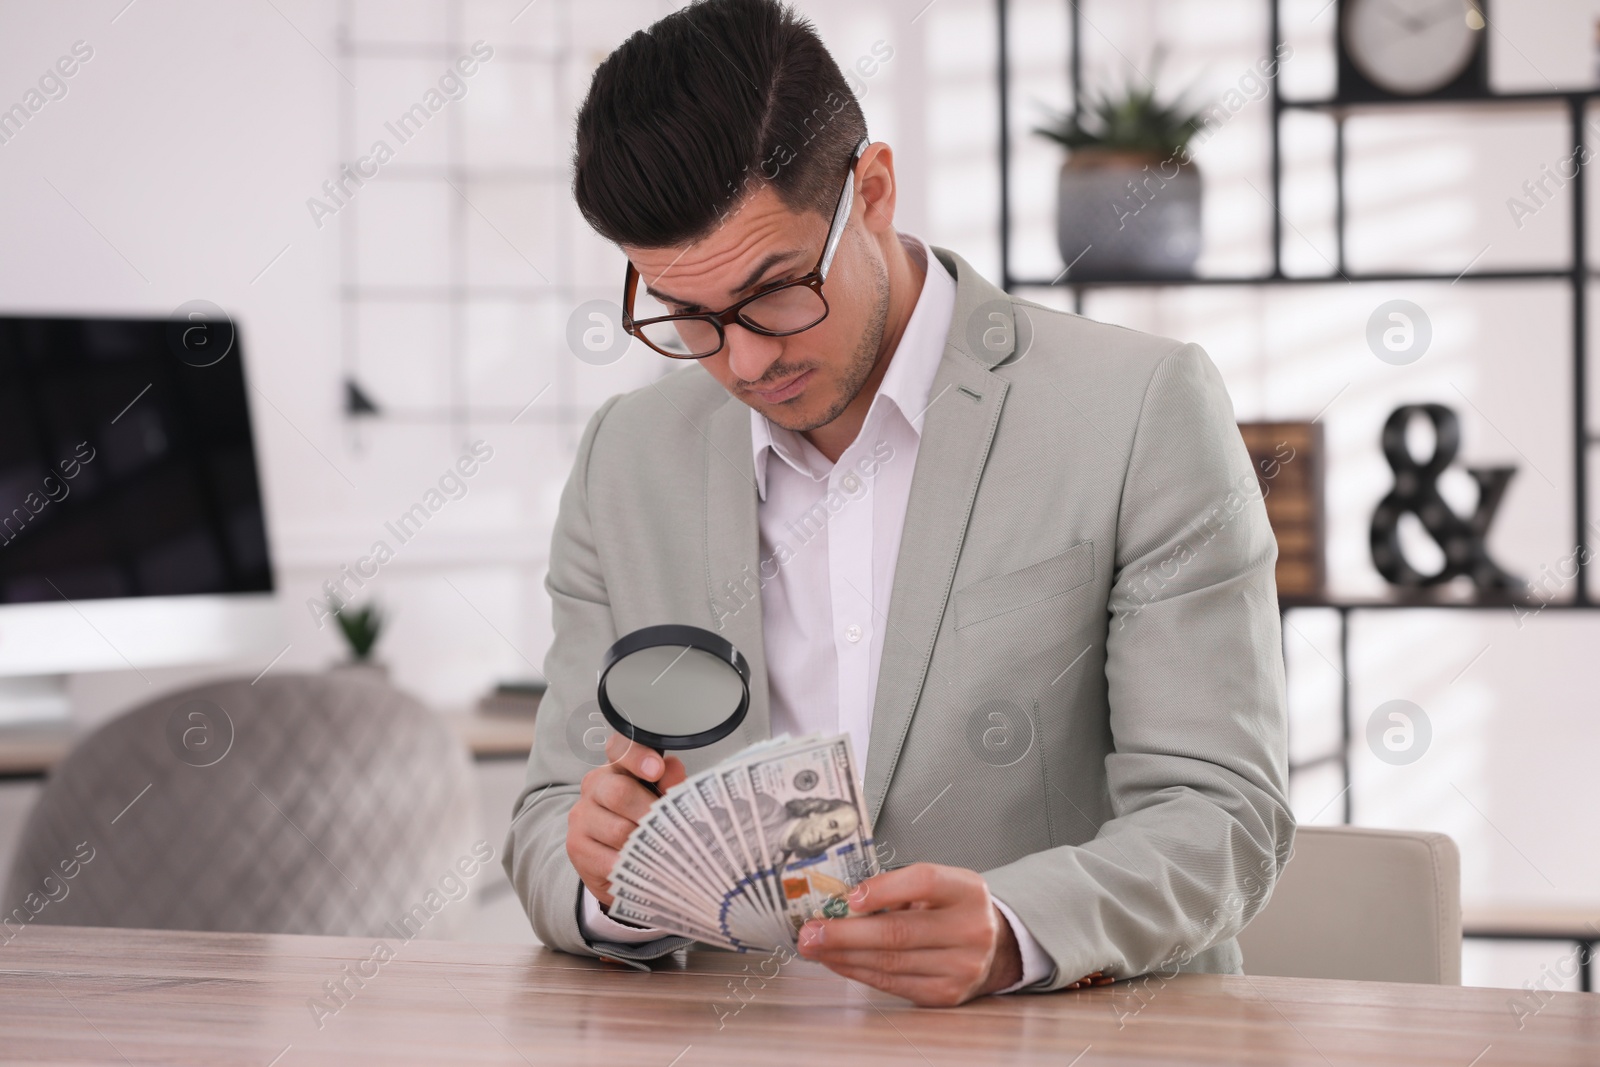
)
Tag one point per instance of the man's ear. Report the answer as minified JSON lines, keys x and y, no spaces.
{"x":875,"y":186}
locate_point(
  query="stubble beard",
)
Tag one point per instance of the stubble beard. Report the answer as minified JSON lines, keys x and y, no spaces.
{"x":862,"y":360}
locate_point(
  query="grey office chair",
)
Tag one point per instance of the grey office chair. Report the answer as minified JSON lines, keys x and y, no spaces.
{"x":1378,"y":905}
{"x":307,"y":804}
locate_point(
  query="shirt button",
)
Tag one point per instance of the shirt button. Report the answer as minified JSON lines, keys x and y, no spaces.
{"x":852,"y":633}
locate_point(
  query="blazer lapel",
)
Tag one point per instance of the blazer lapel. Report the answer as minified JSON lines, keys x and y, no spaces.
{"x":957,"y":431}
{"x":733,"y":547}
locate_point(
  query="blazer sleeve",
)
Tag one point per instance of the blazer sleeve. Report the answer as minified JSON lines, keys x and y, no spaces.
{"x":1201,"y":824}
{"x":535,"y":854}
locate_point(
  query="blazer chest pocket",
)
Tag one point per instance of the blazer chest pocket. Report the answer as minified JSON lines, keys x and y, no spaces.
{"x":1031,"y":585}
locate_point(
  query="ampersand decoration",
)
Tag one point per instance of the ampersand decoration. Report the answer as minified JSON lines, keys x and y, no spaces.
{"x":1416,"y":489}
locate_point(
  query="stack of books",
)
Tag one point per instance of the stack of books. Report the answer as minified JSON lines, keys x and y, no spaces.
{"x":513,"y":698}
{"x":1288,"y":458}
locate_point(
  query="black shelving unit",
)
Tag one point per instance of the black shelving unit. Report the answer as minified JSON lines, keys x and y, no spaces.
{"x":1575,"y":276}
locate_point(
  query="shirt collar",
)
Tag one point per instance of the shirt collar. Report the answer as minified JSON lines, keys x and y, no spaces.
{"x":905,"y":386}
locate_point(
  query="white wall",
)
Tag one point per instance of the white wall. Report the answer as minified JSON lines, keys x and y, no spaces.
{"x":179,"y":164}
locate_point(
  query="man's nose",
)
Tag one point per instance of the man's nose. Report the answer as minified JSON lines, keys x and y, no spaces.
{"x":750,"y":354}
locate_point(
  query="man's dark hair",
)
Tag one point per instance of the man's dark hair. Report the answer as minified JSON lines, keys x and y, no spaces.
{"x":690,"y":116}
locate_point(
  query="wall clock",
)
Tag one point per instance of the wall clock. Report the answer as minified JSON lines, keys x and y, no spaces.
{"x":1412,"y":48}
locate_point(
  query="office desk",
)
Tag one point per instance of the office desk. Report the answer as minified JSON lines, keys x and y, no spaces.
{"x":28,"y":752}
{"x":1572,"y":923}
{"x":74,"y":995}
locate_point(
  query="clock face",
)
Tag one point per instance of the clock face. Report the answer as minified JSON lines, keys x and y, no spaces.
{"x":1411,"y":47}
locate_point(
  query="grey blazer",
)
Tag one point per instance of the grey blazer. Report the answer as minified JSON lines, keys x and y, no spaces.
{"x":1081,"y":693}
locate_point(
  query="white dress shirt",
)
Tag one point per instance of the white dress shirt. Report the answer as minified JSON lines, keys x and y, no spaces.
{"x":830,"y":538}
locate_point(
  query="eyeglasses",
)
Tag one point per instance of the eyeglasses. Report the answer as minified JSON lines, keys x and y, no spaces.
{"x":780,"y":310}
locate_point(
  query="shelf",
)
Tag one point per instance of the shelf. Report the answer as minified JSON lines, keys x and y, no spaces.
{"x":1534,"y":921}
{"x":1551,"y":96}
{"x":1426,"y":600}
{"x":1334,"y":758}
{"x":1572,"y":104}
{"x":1135,"y":282}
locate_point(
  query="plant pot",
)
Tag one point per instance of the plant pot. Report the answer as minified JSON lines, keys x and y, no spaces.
{"x":1128,"y":214}
{"x":371,"y":669}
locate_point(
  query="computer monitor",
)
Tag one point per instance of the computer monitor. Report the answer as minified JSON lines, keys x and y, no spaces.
{"x":131,"y":526}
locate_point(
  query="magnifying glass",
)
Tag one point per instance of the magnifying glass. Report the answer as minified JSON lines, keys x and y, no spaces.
{"x":674,"y":687}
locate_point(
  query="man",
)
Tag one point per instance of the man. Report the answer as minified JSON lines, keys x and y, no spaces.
{"x":1018,"y":556}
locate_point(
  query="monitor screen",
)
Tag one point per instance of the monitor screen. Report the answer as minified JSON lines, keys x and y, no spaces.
{"x":127,"y":467}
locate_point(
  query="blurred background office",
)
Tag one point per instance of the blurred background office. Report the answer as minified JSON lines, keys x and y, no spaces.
{"x":1370,"y":220}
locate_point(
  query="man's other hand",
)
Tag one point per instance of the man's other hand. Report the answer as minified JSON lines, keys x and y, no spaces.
{"x":936,"y":937}
{"x":611,"y":801}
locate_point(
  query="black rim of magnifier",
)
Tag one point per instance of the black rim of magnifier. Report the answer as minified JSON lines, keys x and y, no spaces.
{"x":678,"y":636}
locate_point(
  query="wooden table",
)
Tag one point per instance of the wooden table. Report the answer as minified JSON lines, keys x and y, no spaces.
{"x":1575,"y":923}
{"x":30,"y":751}
{"x":75,"y":995}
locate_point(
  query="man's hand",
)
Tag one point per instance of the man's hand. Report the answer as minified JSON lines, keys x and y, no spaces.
{"x":611,"y":801}
{"x":941,"y":941}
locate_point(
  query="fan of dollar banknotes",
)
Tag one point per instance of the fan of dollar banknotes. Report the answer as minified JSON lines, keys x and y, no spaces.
{"x":742,"y":854}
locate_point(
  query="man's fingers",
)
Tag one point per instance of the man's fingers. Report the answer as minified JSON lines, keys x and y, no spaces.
{"x":895,"y":931}
{"x":676,"y":772}
{"x":592,"y":858}
{"x":593,"y":862}
{"x":621,"y":794}
{"x":638,"y":760}
{"x":929,"y":963}
{"x":927,"y":883}
{"x":607,"y":827}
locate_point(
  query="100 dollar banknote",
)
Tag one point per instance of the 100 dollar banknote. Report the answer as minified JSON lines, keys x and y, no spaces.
{"x":813,"y":825}
{"x":774,"y":836}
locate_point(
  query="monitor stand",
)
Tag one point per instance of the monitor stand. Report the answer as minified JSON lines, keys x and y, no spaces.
{"x":34,"y":699}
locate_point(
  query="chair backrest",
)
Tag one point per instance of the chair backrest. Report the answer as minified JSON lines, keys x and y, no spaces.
{"x":307,"y":804}
{"x":1378,"y":905}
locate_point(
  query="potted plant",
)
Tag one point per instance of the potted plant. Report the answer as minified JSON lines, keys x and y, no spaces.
{"x":1129,"y":201}
{"x":361,"y":628}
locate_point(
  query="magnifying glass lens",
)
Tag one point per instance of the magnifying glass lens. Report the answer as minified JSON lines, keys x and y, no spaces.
{"x":674,"y":687}
{"x":669,"y":690}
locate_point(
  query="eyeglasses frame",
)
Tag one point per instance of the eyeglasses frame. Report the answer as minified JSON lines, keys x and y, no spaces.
{"x":719,"y":320}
